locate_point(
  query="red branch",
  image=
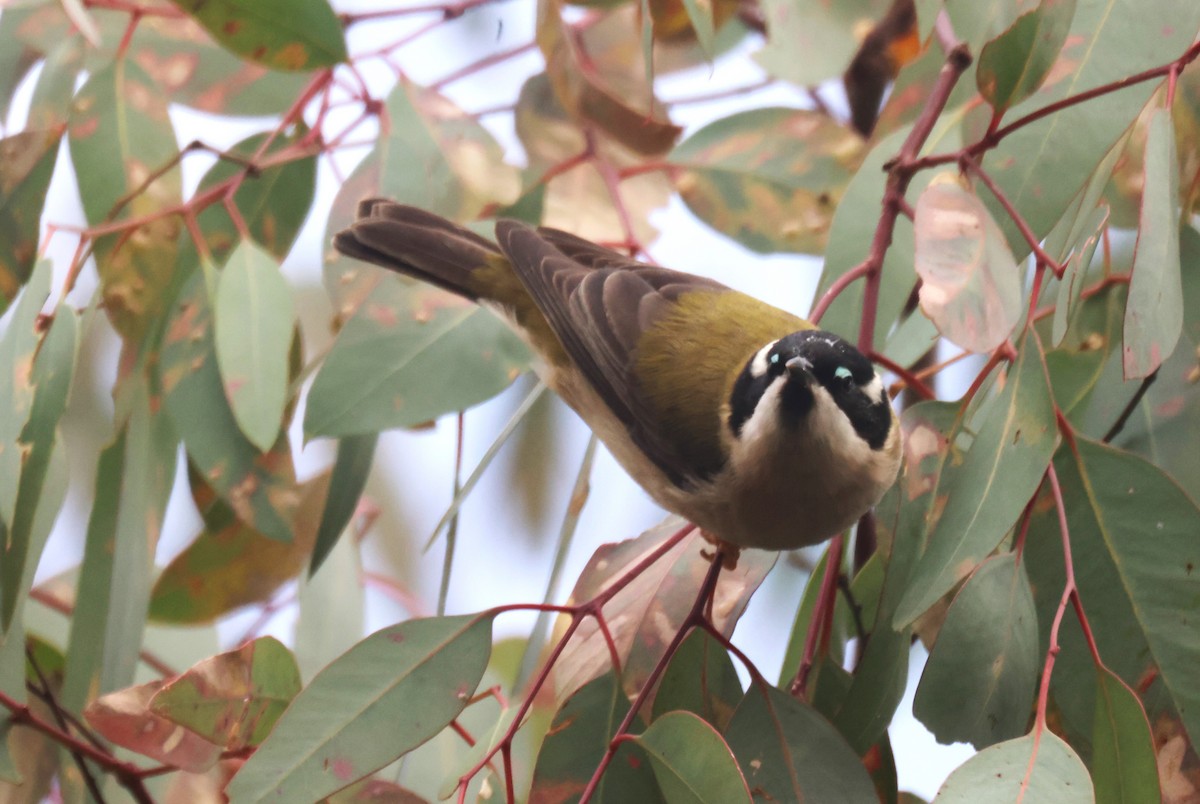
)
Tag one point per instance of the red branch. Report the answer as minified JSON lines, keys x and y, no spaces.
{"x":695,"y":618}
{"x":578,"y":614}
{"x":128,"y":774}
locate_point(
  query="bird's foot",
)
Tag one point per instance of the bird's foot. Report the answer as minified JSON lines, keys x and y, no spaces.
{"x":726,"y":551}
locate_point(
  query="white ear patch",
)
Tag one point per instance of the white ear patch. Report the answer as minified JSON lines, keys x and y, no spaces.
{"x":874,"y":389}
{"x":759,"y":365}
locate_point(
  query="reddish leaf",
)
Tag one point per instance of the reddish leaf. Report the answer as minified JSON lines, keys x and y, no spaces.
{"x":644,"y":616}
{"x":971,"y":283}
{"x":125,"y":718}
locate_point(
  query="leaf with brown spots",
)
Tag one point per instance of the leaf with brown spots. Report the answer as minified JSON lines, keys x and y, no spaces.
{"x":971,"y":284}
{"x":385,"y":696}
{"x":125,"y":718}
{"x":26,"y":164}
{"x":644,"y":616}
{"x":230,"y":564}
{"x":135,"y":265}
{"x":578,"y":201}
{"x":769,"y":178}
{"x":233,"y":699}
{"x":986,"y":494}
{"x":626,"y":111}
{"x":280,"y":34}
{"x":260,"y":487}
{"x":185,"y":61}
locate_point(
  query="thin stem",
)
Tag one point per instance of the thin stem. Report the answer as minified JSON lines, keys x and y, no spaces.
{"x":566,"y":533}
{"x":484,"y":462}
{"x":452,"y":530}
{"x":1130,"y":406}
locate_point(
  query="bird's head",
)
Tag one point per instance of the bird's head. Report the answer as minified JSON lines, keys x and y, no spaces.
{"x":811,"y":379}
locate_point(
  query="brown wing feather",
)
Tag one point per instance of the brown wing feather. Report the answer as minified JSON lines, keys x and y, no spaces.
{"x":600,"y":303}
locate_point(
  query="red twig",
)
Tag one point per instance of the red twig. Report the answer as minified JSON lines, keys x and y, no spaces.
{"x":694,"y":618}
{"x":910,"y":379}
{"x":900,"y":173}
{"x":578,"y":614}
{"x":1044,"y":259}
{"x":129,"y":775}
{"x":822,"y":611}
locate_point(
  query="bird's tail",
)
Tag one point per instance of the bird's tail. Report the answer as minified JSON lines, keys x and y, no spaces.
{"x":417,"y":243}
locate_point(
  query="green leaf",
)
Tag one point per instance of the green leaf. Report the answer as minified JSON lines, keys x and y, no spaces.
{"x":1014,"y":64}
{"x":1075,"y":273}
{"x":135,"y":265}
{"x":691,"y":762}
{"x":17,"y":58}
{"x":18,"y":345}
{"x":577,"y":739}
{"x":260,"y":487}
{"x":280,"y":34}
{"x":971,"y":284}
{"x":979,"y":681}
{"x":1124,"y":767}
{"x":700,"y":14}
{"x":1030,"y":768}
{"x":233,"y":699}
{"x":828,"y":35}
{"x":52,"y":371}
{"x":788,"y":752}
{"x":1042,"y":166}
{"x":134,"y":477}
{"x":273,"y":201}
{"x":1133,"y":538}
{"x":255,"y":319}
{"x":332,"y":609}
{"x":350,"y":471}
{"x":881,"y":675}
{"x":382,"y":698}
{"x":26,"y":163}
{"x":769,"y":178}
{"x":987,"y":493}
{"x":700,"y":679}
{"x":410,"y":354}
{"x":1154,"y":310}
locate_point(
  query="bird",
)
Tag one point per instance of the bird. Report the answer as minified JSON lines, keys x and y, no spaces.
{"x":745,"y":420}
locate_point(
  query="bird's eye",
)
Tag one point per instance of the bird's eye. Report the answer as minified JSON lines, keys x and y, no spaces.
{"x":774,"y":361}
{"x":844,"y":374}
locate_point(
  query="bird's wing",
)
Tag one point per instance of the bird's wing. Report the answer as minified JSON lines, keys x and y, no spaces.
{"x":599,"y":303}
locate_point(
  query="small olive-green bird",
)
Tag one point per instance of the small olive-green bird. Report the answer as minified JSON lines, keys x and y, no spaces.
{"x":736,"y":415}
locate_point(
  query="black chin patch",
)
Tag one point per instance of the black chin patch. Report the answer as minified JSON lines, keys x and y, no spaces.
{"x":796,"y":400}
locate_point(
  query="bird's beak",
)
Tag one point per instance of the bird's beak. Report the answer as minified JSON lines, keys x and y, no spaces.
{"x":798,"y":370}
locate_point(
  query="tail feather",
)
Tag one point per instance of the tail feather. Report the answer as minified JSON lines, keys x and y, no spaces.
{"x":416,"y":243}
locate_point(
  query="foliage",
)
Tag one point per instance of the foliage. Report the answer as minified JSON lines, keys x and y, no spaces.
{"x":1024,"y":202}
